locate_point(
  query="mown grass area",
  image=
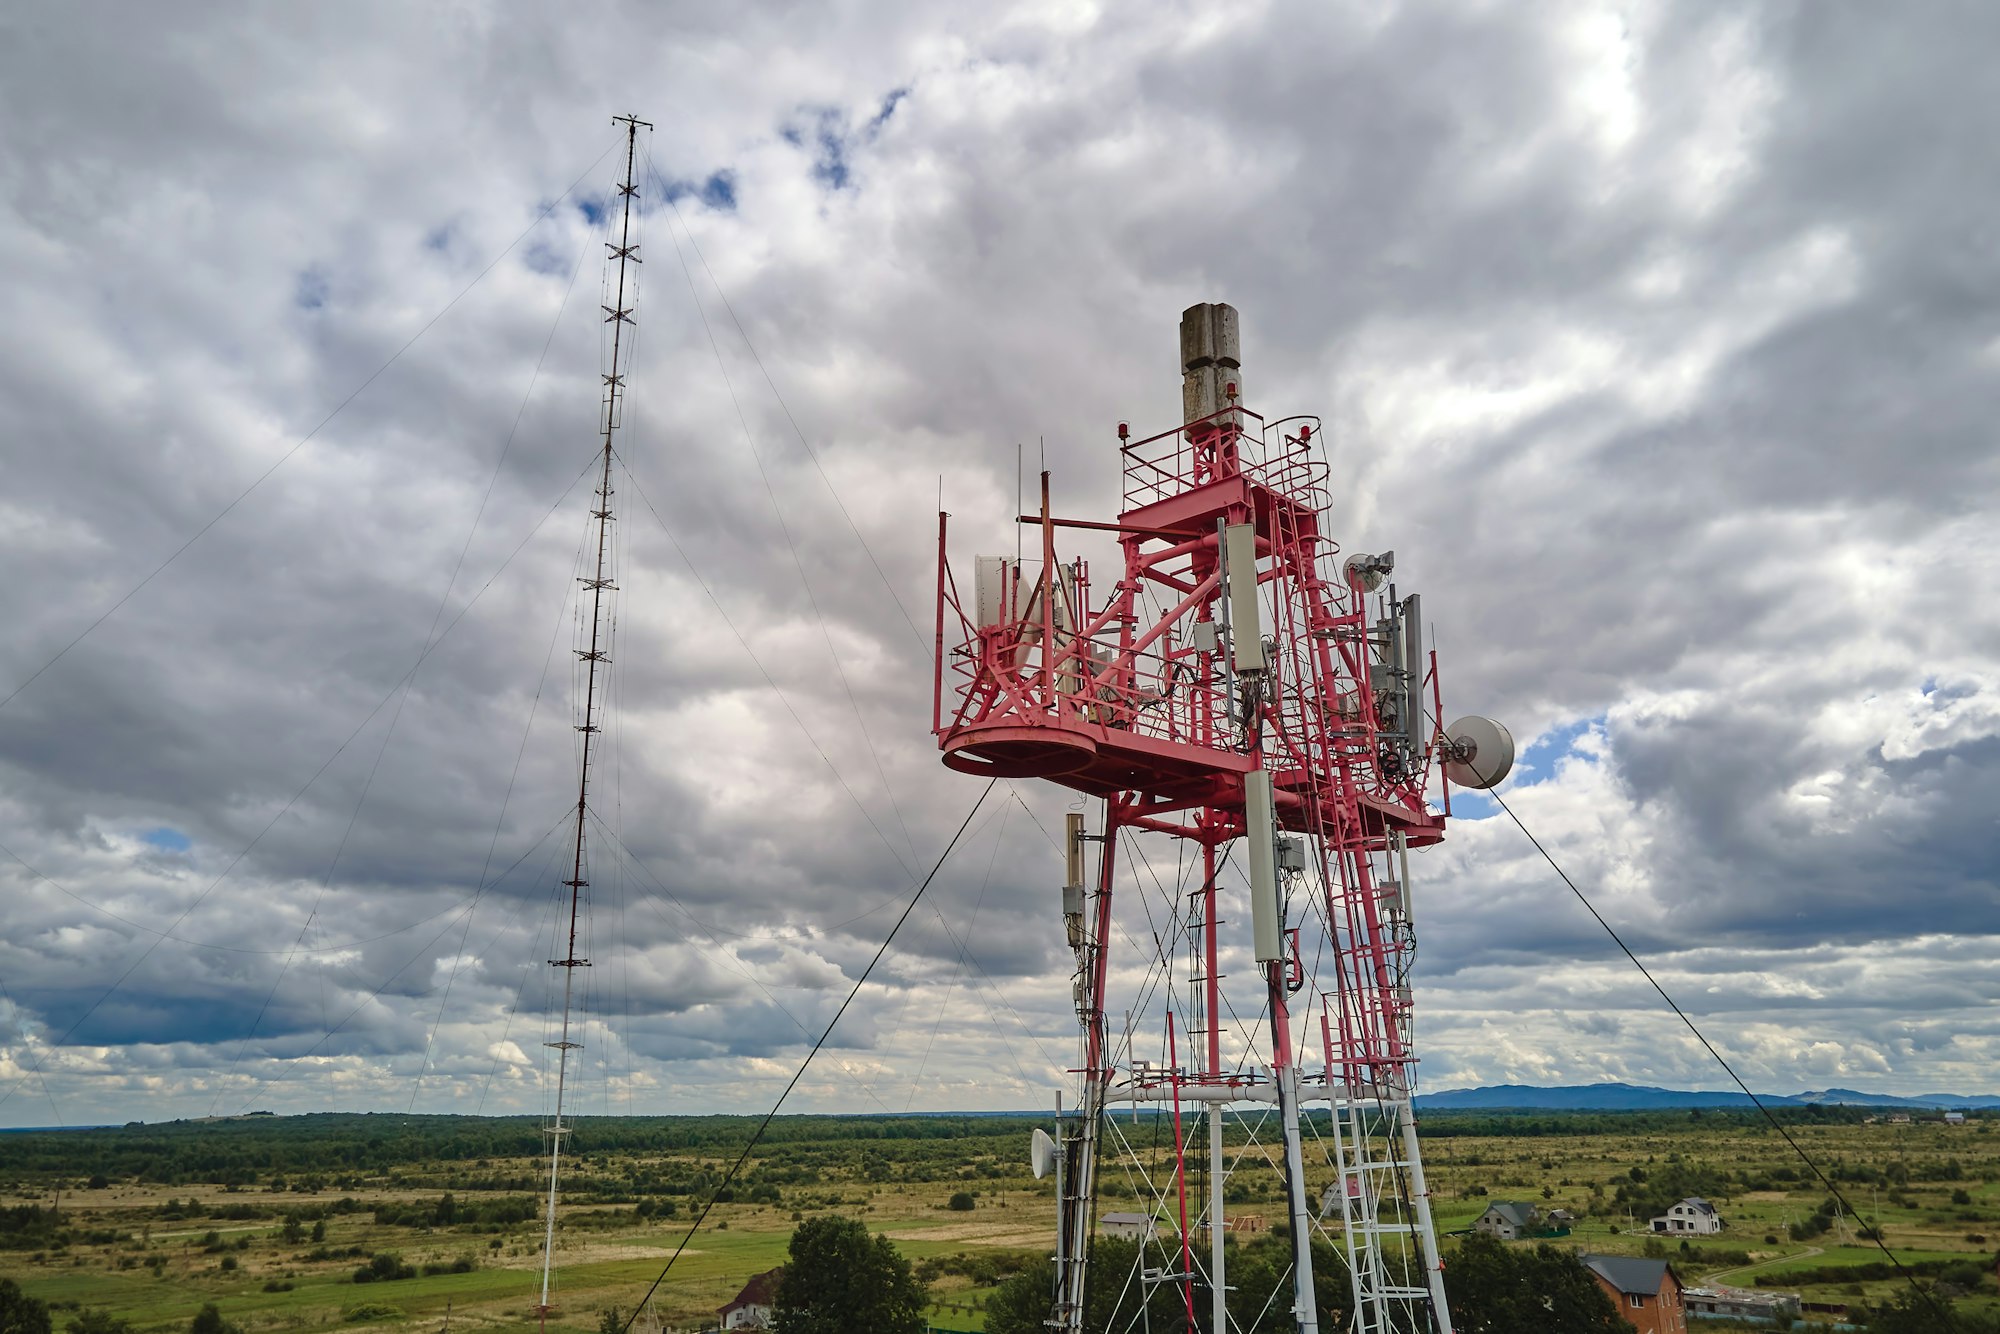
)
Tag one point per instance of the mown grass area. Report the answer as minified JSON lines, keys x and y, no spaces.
{"x":226,"y":1213}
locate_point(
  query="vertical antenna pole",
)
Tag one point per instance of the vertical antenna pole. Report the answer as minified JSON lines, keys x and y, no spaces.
{"x":1218,"y":1272}
{"x":617,"y":315}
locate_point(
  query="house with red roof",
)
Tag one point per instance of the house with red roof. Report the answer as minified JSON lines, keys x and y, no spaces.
{"x":751,"y":1308}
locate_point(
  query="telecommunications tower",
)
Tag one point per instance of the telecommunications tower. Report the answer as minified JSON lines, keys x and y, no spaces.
{"x":1242,"y":691}
{"x":593,"y":651}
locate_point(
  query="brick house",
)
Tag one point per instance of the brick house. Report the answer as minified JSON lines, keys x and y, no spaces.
{"x":1647,"y":1293}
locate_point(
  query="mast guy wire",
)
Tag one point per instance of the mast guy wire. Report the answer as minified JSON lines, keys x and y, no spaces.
{"x":854,"y":991}
{"x":1929,"y":1298}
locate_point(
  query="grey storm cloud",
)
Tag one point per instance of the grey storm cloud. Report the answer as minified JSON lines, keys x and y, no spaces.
{"x":1659,"y":340}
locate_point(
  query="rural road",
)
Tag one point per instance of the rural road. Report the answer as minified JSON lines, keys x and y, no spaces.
{"x":1722,"y":1274}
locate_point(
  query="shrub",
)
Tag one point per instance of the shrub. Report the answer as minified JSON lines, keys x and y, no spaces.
{"x":370,"y":1311}
{"x":208,"y":1320}
{"x":98,"y":1322}
{"x":384,"y":1268}
{"x":961,"y":1202}
{"x":19,"y":1311}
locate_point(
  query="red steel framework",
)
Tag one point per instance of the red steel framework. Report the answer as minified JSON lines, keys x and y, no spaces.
{"x":1235,"y":681}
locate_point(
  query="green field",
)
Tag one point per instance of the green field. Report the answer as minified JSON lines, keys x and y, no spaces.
{"x":226,"y":1212}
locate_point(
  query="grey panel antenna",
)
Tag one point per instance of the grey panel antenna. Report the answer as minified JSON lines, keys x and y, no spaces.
{"x":1260,"y":834}
{"x":1413,"y":680}
{"x":1246,"y":625}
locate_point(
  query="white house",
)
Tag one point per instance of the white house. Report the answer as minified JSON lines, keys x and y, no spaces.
{"x":1132,"y":1227}
{"x":752,"y":1307}
{"x":1693,"y":1215}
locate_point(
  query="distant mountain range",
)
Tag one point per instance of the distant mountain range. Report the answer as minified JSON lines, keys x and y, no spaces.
{"x":1636,"y":1097}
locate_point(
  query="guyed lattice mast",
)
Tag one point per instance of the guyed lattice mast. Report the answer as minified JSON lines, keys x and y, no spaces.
{"x":598,"y":653}
{"x":1238,"y":682}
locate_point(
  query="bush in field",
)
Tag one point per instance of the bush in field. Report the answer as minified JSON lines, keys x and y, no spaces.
{"x":1260,"y":1277}
{"x":208,"y":1320}
{"x":20,"y":1313}
{"x":1917,"y":1312}
{"x":384,"y":1268}
{"x":369,"y":1311}
{"x":961,"y":1202}
{"x":1498,"y":1290}
{"x":98,"y":1322}
{"x":839,"y":1279}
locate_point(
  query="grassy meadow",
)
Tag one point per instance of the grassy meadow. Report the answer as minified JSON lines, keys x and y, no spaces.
{"x":396,"y":1222}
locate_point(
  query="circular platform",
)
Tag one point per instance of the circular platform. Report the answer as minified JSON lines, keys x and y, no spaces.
{"x":1019,"y":752}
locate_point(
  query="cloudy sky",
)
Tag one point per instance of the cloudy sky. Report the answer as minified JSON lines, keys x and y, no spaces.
{"x":1660,"y":341}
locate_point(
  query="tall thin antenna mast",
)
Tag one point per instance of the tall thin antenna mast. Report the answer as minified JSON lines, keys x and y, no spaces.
{"x":617,"y":315}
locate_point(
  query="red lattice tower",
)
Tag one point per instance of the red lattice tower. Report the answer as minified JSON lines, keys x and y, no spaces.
{"x":1235,"y":682}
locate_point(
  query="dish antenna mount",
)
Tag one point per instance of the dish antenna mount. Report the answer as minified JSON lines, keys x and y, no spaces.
{"x":1478,"y":752}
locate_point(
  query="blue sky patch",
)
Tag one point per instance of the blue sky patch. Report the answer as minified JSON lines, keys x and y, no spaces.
{"x":1545,"y":754}
{"x":1469,"y":805}
{"x":830,"y":162}
{"x":889,"y":105}
{"x":718,"y":192}
{"x":311,"y":290}
{"x":167,"y":840}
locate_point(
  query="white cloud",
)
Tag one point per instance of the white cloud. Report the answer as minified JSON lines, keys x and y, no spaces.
{"x":1643,"y":335}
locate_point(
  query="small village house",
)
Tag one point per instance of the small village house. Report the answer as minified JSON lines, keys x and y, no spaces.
{"x":1693,"y":1215}
{"x":1130,"y":1227}
{"x":1647,"y":1293}
{"x":1509,"y":1220}
{"x":751,"y":1308}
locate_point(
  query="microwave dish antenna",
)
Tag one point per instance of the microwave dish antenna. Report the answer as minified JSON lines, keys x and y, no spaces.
{"x":1366,"y":572}
{"x":1041,"y":1153}
{"x":1478,"y":752}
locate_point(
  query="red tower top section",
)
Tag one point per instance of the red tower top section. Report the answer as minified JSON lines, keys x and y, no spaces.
{"x":1231,"y":641}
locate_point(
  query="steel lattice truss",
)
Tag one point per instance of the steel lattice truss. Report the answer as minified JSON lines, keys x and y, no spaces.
{"x":1236,"y":682}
